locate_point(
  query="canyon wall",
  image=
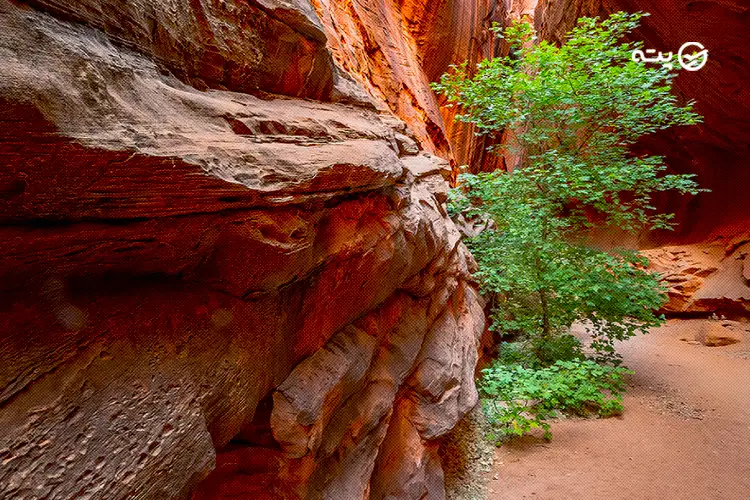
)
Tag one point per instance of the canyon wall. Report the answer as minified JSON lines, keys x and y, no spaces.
{"x":227,"y":268}
{"x":395,"y":49}
{"x":710,"y":278}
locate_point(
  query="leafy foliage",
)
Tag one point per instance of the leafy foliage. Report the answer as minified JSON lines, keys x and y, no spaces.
{"x":574,"y":112}
{"x":517,"y":399}
{"x":536,"y":352}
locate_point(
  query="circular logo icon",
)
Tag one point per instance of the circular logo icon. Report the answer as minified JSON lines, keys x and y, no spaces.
{"x":690,"y":59}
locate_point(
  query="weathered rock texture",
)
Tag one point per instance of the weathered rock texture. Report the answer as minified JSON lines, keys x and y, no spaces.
{"x":227,"y":269}
{"x":201,"y":271}
{"x":706,"y":279}
{"x":395,"y":49}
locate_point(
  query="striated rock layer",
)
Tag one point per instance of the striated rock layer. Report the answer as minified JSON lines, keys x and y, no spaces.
{"x":706,"y":279}
{"x":210,"y":286}
{"x":395,"y":49}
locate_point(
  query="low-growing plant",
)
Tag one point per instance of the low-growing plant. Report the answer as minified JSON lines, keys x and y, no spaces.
{"x":517,"y":399}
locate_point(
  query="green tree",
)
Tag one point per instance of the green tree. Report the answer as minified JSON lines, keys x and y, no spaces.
{"x":575,"y":111}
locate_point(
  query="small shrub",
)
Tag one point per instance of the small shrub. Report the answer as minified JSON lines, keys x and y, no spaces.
{"x":518,"y":399}
{"x":575,"y":111}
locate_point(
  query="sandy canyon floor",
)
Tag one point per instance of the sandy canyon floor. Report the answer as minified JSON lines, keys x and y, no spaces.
{"x":685,"y":432}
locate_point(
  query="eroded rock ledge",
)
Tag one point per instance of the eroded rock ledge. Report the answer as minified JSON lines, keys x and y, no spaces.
{"x":706,"y":279}
{"x":199,"y":276}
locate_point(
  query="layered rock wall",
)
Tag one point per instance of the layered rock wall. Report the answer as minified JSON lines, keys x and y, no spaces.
{"x":395,"y":49}
{"x":211,"y":286}
{"x":227,"y":269}
{"x":706,"y":279}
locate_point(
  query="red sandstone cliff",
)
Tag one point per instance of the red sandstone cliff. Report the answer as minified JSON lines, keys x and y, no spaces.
{"x":395,"y":49}
{"x":219,"y":260}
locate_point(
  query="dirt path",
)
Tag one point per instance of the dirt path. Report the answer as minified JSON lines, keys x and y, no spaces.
{"x":685,"y":433}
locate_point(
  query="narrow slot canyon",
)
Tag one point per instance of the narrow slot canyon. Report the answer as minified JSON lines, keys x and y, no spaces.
{"x":230,"y":266}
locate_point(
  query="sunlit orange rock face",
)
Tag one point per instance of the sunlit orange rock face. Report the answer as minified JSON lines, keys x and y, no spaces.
{"x":717,"y":150}
{"x":395,"y":49}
